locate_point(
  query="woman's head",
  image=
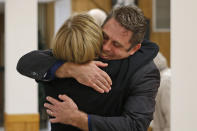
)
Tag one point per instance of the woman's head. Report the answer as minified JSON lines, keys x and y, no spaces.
{"x":79,"y":40}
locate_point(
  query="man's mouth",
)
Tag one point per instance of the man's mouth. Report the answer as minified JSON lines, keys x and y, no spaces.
{"x":104,"y":56}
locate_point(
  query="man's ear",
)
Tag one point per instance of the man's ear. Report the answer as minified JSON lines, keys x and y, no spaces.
{"x":135,"y":48}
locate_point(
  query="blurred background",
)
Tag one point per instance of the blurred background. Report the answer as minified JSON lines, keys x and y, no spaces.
{"x":26,"y":25}
{"x":52,"y":13}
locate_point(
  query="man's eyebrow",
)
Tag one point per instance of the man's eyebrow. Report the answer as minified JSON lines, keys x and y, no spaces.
{"x":105,"y":34}
{"x":118,"y":43}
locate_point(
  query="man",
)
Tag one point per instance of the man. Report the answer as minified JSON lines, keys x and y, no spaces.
{"x":123,"y":33}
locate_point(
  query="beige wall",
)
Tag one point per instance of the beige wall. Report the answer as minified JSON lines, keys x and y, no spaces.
{"x":183,"y":63}
{"x":1,"y":65}
{"x":20,"y":38}
{"x":78,"y":5}
{"x":161,"y":38}
{"x":21,"y":94}
{"x":1,"y":38}
{"x":49,"y":23}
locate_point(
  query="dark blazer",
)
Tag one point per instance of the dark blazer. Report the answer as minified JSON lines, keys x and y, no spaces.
{"x":128,"y":106}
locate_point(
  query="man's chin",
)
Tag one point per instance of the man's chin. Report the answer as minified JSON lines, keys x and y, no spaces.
{"x":105,"y":57}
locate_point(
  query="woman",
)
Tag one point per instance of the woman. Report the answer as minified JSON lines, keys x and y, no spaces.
{"x":79,"y":40}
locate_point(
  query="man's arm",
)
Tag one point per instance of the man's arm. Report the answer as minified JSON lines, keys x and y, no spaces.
{"x":66,"y":112}
{"x":137,"y":112}
{"x":38,"y":65}
{"x":88,"y":74}
{"x":139,"y":107}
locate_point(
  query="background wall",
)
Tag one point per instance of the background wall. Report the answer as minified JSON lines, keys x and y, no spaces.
{"x":78,"y":5}
{"x":184,"y":63}
{"x":50,"y":22}
{"x":161,"y":38}
{"x":20,"y":37}
{"x":1,"y":66}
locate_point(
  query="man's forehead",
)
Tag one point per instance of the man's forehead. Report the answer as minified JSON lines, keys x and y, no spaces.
{"x":115,"y":26}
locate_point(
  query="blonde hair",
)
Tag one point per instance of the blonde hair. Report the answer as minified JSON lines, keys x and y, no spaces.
{"x":79,"y":40}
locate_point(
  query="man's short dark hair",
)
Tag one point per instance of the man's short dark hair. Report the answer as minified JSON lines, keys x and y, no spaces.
{"x":131,"y":18}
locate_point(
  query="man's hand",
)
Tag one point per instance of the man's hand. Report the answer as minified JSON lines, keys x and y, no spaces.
{"x":88,"y":74}
{"x":66,"y":112}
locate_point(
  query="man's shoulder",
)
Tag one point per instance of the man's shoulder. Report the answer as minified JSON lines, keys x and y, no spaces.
{"x":149,"y":68}
{"x":146,"y":79}
{"x":143,"y":58}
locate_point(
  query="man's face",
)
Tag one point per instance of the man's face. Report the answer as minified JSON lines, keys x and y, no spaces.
{"x":116,"y":41}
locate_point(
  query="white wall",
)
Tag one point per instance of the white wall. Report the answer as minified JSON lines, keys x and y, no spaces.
{"x":20,"y":38}
{"x":184,"y":65}
{"x":63,"y":10}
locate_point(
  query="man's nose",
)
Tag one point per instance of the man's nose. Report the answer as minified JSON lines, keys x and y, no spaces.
{"x":107,"y":45}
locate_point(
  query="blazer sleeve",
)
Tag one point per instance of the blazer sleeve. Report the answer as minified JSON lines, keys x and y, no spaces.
{"x":139,"y":106}
{"x":35,"y":64}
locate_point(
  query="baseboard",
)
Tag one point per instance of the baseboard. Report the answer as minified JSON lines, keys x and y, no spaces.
{"x":21,"y":122}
